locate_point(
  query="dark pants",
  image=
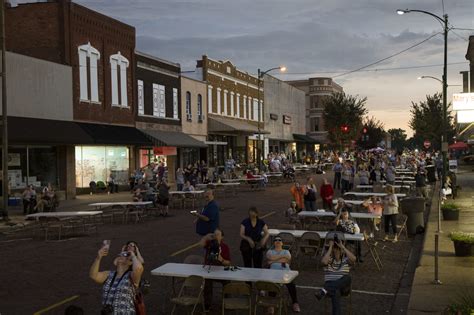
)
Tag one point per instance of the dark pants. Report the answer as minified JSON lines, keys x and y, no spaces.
{"x":208,"y":291}
{"x":292,"y":291}
{"x":252,"y":258}
{"x":337,"y":180}
{"x":28,"y":205}
{"x":310,"y":205}
{"x":334,"y":292}
{"x":345,"y":186}
{"x":112,"y":187}
{"x":180,"y":187}
{"x":391,"y":218}
{"x":327,"y":204}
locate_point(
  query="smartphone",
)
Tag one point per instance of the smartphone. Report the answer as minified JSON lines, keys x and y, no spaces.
{"x":193,"y":212}
{"x":106,"y":244}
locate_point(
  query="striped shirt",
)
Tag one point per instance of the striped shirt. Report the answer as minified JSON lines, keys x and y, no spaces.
{"x":336,"y":270}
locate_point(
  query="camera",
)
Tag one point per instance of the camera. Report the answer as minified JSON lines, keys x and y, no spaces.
{"x":124,"y":254}
{"x":336,"y":239}
{"x":213,"y":251}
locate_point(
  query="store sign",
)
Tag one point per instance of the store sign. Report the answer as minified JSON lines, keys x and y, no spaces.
{"x":165,"y":150}
{"x":287,"y":120}
{"x":465,"y":116}
{"x":273,"y":116}
{"x":14,"y":159}
{"x":463,"y":101}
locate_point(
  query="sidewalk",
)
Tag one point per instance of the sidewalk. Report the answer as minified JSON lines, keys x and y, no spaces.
{"x":80,"y":203}
{"x":455,"y":273}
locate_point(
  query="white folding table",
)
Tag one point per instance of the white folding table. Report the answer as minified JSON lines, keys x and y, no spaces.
{"x":322,"y":234}
{"x":63,"y":214}
{"x":370,"y":194}
{"x":355,"y":215}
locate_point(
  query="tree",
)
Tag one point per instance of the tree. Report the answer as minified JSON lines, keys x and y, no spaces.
{"x":427,"y":121}
{"x":399,"y":138}
{"x":343,"y":116}
{"x":372,"y":132}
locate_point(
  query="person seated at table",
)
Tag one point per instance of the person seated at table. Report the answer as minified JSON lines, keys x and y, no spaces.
{"x":29,"y":199}
{"x":118,"y":286}
{"x":188,"y":186}
{"x":374,"y":205}
{"x":280,"y":259}
{"x":140,"y":184}
{"x":137,"y":195}
{"x":341,"y":204}
{"x":48,"y":199}
{"x":336,"y":273}
{"x":163,"y":196}
{"x":346,"y":225}
{"x":217,"y":254}
{"x":327,"y":194}
{"x":292,"y":212}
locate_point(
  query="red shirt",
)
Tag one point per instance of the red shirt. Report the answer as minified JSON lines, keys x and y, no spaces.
{"x":326,"y":192}
{"x":224,"y":251}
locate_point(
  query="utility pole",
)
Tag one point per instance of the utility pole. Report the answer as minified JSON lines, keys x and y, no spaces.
{"x":5,"y":182}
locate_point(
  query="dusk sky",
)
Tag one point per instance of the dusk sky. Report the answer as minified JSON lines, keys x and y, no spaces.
{"x":311,"y":38}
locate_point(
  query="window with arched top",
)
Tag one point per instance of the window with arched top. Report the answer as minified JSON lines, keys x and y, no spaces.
{"x":88,"y":74}
{"x":199,"y":108}
{"x":189,"y":115}
{"x":118,"y":72}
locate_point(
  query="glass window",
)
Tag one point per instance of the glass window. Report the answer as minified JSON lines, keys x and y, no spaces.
{"x":199,"y":107}
{"x":141,"y":98}
{"x":88,"y":72}
{"x":189,"y":115}
{"x":175,"y":103}
{"x":118,"y":66}
{"x":97,"y":163}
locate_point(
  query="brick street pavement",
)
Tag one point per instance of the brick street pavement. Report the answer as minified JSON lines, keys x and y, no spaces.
{"x":44,"y":273}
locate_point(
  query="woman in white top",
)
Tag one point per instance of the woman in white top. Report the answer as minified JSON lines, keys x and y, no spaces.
{"x":390,"y":211}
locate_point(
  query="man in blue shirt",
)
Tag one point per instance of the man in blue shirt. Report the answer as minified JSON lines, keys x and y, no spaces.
{"x":208,"y":220}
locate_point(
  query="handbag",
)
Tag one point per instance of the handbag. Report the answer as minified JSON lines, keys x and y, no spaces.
{"x":138,"y":299}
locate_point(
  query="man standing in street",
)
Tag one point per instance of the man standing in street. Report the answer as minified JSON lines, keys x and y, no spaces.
{"x":208,"y":220}
{"x":337,"y":169}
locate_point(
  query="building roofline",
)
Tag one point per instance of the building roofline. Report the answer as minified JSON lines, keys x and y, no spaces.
{"x":139,"y":53}
{"x":227,"y":60}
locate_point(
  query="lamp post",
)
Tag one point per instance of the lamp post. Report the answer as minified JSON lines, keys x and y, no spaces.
{"x":444,"y":138}
{"x":260,"y":118}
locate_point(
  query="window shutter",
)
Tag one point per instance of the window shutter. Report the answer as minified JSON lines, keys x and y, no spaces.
{"x":83,"y":74}
{"x":141,"y":98}
{"x":156,"y":96}
{"x":114,"y":81}
{"x":94,"y":77}
{"x":175,"y":103}
{"x":123,"y":82}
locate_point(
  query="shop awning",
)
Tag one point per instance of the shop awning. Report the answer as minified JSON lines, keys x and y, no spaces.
{"x":234,"y":126}
{"x":23,"y":130}
{"x":173,"y":139}
{"x":304,"y":138}
{"x":119,"y":135}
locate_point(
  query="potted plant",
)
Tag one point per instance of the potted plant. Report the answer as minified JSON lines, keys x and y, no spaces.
{"x":463,"y":243}
{"x":450,"y":212}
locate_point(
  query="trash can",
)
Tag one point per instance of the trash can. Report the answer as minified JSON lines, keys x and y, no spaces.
{"x":413,"y":207}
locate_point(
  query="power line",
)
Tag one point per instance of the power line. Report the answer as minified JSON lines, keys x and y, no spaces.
{"x":374,"y":70}
{"x":463,"y":29}
{"x":459,"y":36}
{"x":389,"y":57}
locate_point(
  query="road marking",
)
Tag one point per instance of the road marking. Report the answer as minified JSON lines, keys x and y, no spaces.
{"x":267,"y":215}
{"x":44,"y":310}
{"x":185,"y":249}
{"x":199,"y":243}
{"x":355,"y":291}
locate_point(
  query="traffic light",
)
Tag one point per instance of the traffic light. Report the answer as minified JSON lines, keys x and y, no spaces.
{"x":345,"y":128}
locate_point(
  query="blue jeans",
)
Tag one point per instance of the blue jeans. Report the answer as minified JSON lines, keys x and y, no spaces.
{"x":334,"y":292}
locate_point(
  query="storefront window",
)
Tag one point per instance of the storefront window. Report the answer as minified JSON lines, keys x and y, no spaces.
{"x":148,"y":156}
{"x":97,"y":163}
{"x":32,"y":165}
{"x":189,"y":156}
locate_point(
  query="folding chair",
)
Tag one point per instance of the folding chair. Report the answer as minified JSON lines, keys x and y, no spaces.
{"x":237,"y":296}
{"x":372,"y":246}
{"x":191,"y":294}
{"x":273,"y":296}
{"x":402,"y":225}
{"x":285,"y":226}
{"x":308,"y":245}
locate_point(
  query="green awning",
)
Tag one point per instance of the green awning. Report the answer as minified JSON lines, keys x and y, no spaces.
{"x":304,"y":138}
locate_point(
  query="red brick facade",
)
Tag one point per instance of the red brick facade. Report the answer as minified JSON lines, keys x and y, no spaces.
{"x":54,"y":30}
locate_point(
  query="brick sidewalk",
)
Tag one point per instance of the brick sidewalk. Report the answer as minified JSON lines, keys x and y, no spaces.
{"x":456,"y":273}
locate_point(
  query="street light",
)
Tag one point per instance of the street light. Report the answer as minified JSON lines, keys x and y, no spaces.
{"x":444,"y":22}
{"x":430,"y":77}
{"x":260,"y":76}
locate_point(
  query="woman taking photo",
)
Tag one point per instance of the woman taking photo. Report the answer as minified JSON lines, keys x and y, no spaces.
{"x":254,"y":234}
{"x":118,"y":291}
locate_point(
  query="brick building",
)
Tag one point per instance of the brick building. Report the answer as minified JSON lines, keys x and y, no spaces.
{"x":235,"y":108}
{"x":316,"y":89}
{"x":100,"y":52}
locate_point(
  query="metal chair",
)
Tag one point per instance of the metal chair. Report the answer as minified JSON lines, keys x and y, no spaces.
{"x":289,"y":241}
{"x":372,"y":246}
{"x":273,"y":296}
{"x":237,"y":296}
{"x":191,"y":294}
{"x":308,"y":245}
{"x":402,"y":225}
{"x":285,"y":226}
